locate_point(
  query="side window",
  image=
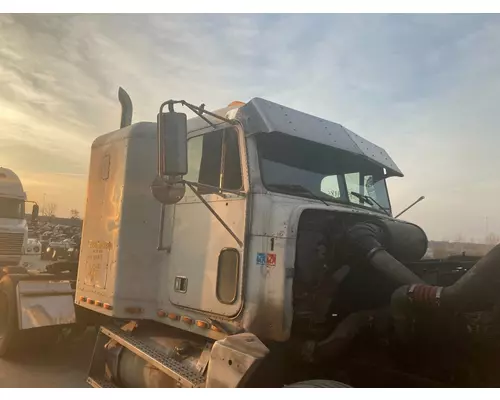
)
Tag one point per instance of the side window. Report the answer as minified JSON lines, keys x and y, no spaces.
{"x":214,"y":159}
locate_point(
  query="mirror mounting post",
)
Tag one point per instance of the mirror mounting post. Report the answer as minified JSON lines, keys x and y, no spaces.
{"x":195,"y":191}
{"x":169,"y":186}
{"x":35,"y":211}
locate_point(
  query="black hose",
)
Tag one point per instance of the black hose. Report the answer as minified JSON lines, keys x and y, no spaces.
{"x":388,"y":265}
{"x":367,"y":238}
{"x":476,"y":290}
{"x":479,"y":287}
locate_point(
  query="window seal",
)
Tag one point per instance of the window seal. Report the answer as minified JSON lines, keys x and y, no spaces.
{"x":238,"y":265}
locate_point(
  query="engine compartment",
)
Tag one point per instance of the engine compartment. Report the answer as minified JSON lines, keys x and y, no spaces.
{"x":345,"y":324}
{"x":332,"y":277}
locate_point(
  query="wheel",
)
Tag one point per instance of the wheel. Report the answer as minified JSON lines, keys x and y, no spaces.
{"x":319,"y":383}
{"x":13,"y":340}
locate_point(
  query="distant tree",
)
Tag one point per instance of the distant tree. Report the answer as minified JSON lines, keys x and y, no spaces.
{"x":49,"y":210}
{"x":459,"y":238}
{"x":492,"y":239}
{"x":75,"y":214}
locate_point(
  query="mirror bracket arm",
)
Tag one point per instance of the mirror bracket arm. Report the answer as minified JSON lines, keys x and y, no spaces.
{"x":217,"y":190}
{"x":195,"y":191}
{"x":197,"y":110}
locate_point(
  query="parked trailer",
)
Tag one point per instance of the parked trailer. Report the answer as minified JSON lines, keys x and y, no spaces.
{"x":13,"y":227}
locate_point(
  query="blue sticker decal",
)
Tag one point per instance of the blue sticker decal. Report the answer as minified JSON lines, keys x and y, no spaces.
{"x":261,"y":258}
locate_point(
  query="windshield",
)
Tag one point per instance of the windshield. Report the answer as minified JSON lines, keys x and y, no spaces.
{"x":11,"y":208}
{"x":325,"y":172}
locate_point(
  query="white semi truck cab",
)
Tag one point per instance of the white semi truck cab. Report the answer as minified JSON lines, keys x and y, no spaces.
{"x":251,"y":246}
{"x":13,"y":226}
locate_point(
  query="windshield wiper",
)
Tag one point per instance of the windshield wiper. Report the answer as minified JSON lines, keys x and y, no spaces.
{"x":297,"y":189}
{"x":368,"y":199}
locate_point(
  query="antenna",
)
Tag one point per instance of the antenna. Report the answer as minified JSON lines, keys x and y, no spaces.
{"x":410,"y":206}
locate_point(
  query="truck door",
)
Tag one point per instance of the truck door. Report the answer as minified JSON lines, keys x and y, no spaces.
{"x":205,"y":261}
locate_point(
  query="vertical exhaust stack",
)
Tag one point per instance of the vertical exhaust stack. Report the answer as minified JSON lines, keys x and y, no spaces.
{"x":127,"y":109}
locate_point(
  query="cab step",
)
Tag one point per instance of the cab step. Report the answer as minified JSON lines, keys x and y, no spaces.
{"x":184,"y":376}
{"x":100,"y":383}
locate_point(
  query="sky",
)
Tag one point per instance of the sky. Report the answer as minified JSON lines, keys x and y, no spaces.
{"x":424,"y":87}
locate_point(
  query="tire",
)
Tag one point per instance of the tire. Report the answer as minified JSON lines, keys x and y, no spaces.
{"x":13,"y":340}
{"x":319,"y":383}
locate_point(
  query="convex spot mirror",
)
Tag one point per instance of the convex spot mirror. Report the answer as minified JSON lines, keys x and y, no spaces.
{"x":172,"y":142}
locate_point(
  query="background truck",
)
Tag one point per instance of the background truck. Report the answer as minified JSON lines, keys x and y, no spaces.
{"x":258,"y":248}
{"x":36,"y":307}
{"x":13,"y":226}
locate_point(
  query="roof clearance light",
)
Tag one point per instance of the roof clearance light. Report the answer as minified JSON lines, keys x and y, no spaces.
{"x":202,"y":324}
{"x":236,"y":104}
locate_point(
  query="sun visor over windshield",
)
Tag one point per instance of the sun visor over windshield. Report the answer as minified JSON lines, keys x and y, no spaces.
{"x":262,"y":116}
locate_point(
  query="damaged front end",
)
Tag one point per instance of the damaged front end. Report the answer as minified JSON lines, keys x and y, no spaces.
{"x":367,"y":311}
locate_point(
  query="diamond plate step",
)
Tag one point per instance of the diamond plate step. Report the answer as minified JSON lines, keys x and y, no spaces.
{"x":182,"y":374}
{"x":100,"y":383}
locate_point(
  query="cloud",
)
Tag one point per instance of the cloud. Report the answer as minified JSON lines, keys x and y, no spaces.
{"x":425,"y":87}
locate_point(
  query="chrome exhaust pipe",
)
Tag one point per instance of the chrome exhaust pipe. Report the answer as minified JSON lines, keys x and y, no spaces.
{"x":127,"y":109}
